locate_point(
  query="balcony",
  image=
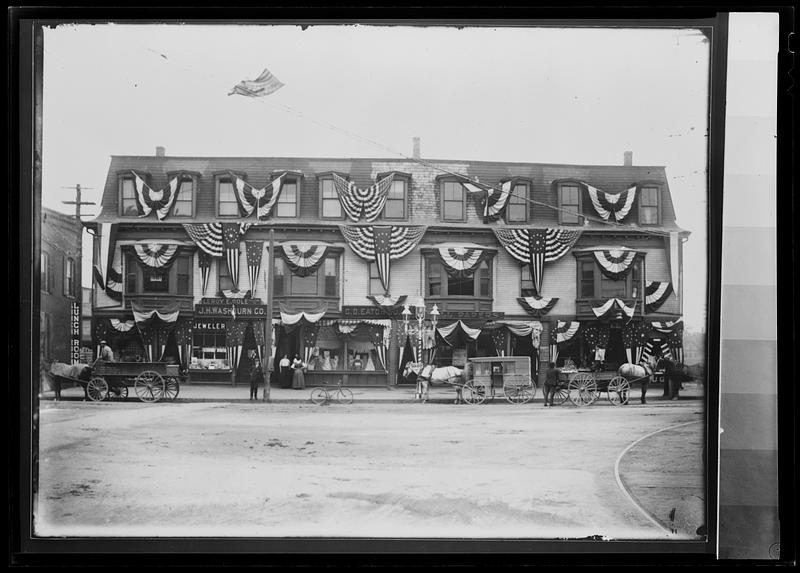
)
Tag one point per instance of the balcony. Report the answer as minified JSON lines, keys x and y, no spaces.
{"x":156,"y":301}
{"x":307,"y":302}
{"x":583,"y":307}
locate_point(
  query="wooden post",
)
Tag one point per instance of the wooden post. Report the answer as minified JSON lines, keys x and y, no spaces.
{"x":267,"y":369}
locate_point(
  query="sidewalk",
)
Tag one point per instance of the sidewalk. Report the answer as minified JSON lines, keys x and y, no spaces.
{"x":382,"y":394}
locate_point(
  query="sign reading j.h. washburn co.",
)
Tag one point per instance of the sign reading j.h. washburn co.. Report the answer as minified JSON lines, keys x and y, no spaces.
{"x":230,"y":308}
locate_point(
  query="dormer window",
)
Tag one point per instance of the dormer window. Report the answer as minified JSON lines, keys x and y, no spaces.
{"x":649,"y":205}
{"x":227,"y":206}
{"x":330,"y":207}
{"x":396,"y":206}
{"x":569,"y":204}
{"x":128,"y":196}
{"x":184,"y":201}
{"x":286,"y":205}
{"x":517,"y":207}
{"x":454,"y":201}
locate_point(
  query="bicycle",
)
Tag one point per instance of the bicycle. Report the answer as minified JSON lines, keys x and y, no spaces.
{"x":321,"y":395}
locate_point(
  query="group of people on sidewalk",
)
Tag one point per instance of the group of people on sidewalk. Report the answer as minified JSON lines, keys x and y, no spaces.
{"x":291,"y":373}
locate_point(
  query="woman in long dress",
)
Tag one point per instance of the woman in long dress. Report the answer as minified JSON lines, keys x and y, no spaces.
{"x":298,"y":378}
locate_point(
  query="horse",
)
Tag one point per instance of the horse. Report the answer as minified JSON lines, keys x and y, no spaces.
{"x":60,"y":370}
{"x":675,"y":374}
{"x":638,"y":373}
{"x":428,"y":374}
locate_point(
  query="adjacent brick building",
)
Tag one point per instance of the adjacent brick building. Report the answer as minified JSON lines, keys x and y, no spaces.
{"x":336,"y":311}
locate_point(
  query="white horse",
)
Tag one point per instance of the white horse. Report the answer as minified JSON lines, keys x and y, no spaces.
{"x":429,"y":374}
{"x":638,"y":373}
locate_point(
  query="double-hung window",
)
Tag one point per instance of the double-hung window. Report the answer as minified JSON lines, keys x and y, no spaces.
{"x":69,"y":277}
{"x":286,"y":205}
{"x":185,"y":198}
{"x":649,"y":205}
{"x":569,"y":204}
{"x":227,"y":206}
{"x":128,"y":196}
{"x":517,"y":207}
{"x":396,"y":199}
{"x":330,"y":207}
{"x":454,"y":201}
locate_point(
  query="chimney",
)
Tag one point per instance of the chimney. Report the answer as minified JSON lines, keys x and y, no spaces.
{"x":416,"y":148}
{"x":628,"y":161}
{"x":160,"y":151}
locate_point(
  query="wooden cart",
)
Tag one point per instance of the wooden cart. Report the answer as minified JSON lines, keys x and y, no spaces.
{"x":151,"y":381}
{"x":584,"y":388}
{"x":511,"y":373}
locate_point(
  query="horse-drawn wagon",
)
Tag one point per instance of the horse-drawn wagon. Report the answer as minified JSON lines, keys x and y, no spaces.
{"x":511,"y":373}
{"x":151,"y":381}
{"x":583,"y":388}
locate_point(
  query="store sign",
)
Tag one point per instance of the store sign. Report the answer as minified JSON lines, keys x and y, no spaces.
{"x":371,"y":311}
{"x":75,"y":332}
{"x":471,"y":315}
{"x":208,"y":326}
{"x":232,"y":301}
{"x":231,"y":311}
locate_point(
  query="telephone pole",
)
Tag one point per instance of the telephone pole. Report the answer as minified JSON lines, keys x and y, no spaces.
{"x":77,"y":202}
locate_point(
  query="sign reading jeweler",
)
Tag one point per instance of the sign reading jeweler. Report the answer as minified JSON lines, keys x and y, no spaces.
{"x":230,"y":308}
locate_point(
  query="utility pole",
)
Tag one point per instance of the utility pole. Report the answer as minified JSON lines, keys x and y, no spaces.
{"x":268,"y":323}
{"x":77,"y":202}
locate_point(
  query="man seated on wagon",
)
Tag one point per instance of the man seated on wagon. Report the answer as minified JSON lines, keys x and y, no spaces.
{"x":106,"y":354}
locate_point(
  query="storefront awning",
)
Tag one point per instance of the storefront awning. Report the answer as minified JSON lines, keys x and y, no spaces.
{"x":290,"y":316}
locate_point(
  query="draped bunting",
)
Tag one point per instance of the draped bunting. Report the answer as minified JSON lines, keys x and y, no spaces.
{"x":310,"y":333}
{"x":537,"y":305}
{"x":235,"y":293}
{"x":251,"y":199}
{"x":526,"y":328}
{"x":495,"y":201}
{"x":387,"y":300}
{"x":607,"y":203}
{"x":656,"y":293}
{"x":564,"y":331}
{"x":209,"y":236}
{"x":461,"y":262}
{"x":650,"y":348}
{"x":167,"y":314}
{"x":611,"y":307}
{"x":634,"y":338}
{"x":303,"y":258}
{"x":536,"y":247}
{"x":204,"y":262}
{"x":382,"y":244}
{"x":616,"y":263}
{"x":450,"y":332}
{"x":114,"y":284}
{"x":367,"y":203}
{"x":668,"y":326}
{"x":108,"y":239}
{"x":148,"y":200}
{"x":674,"y":263}
{"x":290,"y":316}
{"x":254,"y":250}
{"x":596,"y":335}
{"x":155,"y":255}
{"x":121,"y":326}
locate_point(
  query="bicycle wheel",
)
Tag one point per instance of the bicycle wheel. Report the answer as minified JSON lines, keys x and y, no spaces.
{"x":319,"y":396}
{"x":344,"y":396}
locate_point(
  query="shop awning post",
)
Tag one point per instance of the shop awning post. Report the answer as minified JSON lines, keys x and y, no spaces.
{"x":267,"y":369}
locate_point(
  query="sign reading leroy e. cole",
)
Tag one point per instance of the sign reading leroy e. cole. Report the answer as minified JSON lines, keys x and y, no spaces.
{"x":230,"y":308}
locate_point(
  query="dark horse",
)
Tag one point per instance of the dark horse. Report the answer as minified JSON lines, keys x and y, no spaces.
{"x":674,"y":375}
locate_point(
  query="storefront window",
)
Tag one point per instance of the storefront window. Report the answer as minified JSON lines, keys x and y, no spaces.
{"x":331,"y":277}
{"x":209,"y":351}
{"x":330,"y":350}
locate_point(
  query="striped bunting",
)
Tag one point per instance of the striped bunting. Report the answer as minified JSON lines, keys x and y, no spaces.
{"x":208,"y":236}
{"x":382,"y":244}
{"x":536,"y":247}
{"x":606,"y":203}
{"x":120,"y":325}
{"x":108,"y":239}
{"x":616,"y":263}
{"x":448,"y":332}
{"x":367,"y":203}
{"x":263,"y":85}
{"x":303,"y":258}
{"x":537,"y":305}
{"x":290,"y":316}
{"x":461,"y":261}
{"x":495,"y":201}
{"x":254,"y":251}
{"x":609,"y":308}
{"x":204,"y":262}
{"x":234,"y":294}
{"x":387,"y":300}
{"x":155,"y":255}
{"x":649,"y":350}
{"x":114,"y":284}
{"x":564,"y":331}
{"x":161,"y":201}
{"x":230,"y":246}
{"x":668,"y":327}
{"x":656,"y":293}
{"x":259,"y":200}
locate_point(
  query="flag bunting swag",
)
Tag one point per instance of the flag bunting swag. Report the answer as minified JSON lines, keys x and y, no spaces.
{"x":263,"y":85}
{"x":613,"y":306}
{"x":114,"y":284}
{"x":204,"y":262}
{"x":615,"y":263}
{"x":607,"y":203}
{"x":230,"y":245}
{"x":382,"y":244}
{"x":155,"y":255}
{"x":209,"y":236}
{"x":121,"y":325}
{"x":108,"y":240}
{"x":387,"y":300}
{"x":148,"y":200}
{"x":290,"y":316}
{"x":564,"y":331}
{"x":536,"y":247}
{"x":166,"y":315}
{"x":656,"y":293}
{"x":495,"y":202}
{"x":303,"y":258}
{"x":251,"y":199}
{"x":537,"y":305}
{"x":450,"y":332}
{"x":367,"y":203}
{"x":254,"y":250}
{"x":634,"y":338}
{"x":461,"y":262}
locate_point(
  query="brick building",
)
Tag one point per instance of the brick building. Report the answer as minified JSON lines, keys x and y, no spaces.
{"x":564,"y":262}
{"x":60,"y":268}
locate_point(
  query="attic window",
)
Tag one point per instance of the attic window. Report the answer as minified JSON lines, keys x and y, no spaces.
{"x":128,"y":196}
{"x":648,"y":206}
{"x":569,"y":203}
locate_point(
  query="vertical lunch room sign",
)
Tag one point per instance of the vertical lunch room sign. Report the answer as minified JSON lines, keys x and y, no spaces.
{"x":75,"y":332}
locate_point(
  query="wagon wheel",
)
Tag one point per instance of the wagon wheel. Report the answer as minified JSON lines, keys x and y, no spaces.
{"x":171,"y":388}
{"x":119,"y":392}
{"x":561,"y":395}
{"x":520,"y":394}
{"x":97,"y":389}
{"x":618,"y":389}
{"x":583,"y":390}
{"x":473,"y":394}
{"x":149,"y":386}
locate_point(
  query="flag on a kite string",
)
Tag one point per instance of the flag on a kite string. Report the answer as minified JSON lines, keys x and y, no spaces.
{"x":263,"y":85}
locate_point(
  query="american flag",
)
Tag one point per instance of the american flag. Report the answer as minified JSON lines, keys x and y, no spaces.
{"x":254,"y":251}
{"x":263,"y":85}
{"x":230,"y":244}
{"x":204,"y":262}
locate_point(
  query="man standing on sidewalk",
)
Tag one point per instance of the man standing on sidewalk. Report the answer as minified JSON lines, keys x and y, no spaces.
{"x":551,"y":383}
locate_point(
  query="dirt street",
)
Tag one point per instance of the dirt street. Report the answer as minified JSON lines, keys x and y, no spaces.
{"x":365,"y":470}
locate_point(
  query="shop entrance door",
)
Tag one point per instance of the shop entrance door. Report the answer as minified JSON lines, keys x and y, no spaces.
{"x":288,"y":345}
{"x":523,"y":346}
{"x":615,"y":353}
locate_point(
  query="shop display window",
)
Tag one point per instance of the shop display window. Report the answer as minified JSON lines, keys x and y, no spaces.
{"x":209,"y":352}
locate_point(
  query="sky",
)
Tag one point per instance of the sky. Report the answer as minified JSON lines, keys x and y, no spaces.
{"x":519,"y":94}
